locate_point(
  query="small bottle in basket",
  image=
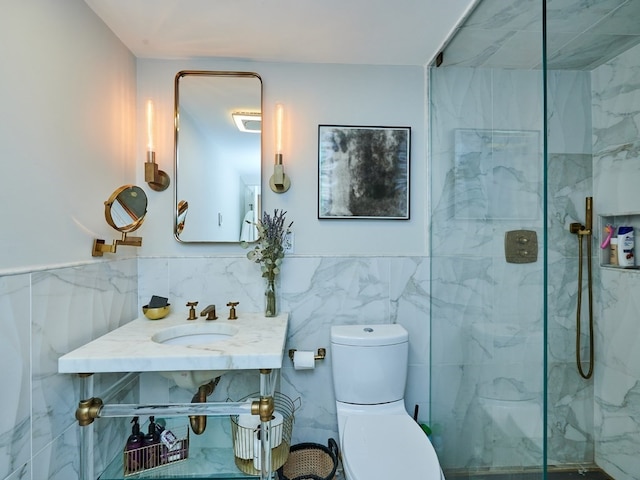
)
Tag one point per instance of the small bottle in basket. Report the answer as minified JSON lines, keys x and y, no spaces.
{"x":132,"y":449}
{"x":172,"y":448}
{"x":152,"y":445}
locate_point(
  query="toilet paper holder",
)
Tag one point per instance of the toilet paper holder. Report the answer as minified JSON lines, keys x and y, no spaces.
{"x":322,"y":353}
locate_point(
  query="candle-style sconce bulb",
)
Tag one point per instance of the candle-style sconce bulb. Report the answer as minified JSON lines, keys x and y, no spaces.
{"x":279,"y":182}
{"x":155,"y":178}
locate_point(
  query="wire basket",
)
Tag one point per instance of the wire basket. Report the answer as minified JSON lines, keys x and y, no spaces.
{"x":245,"y":433}
{"x":157,"y":455}
{"x":311,"y":461}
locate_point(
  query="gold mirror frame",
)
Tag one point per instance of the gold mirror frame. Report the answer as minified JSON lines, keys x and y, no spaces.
{"x":218,"y":155}
{"x":124,"y":211}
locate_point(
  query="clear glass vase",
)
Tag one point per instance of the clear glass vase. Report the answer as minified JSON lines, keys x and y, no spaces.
{"x":270,"y":309}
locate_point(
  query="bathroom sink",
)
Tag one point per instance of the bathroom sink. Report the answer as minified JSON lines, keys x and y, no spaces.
{"x":190,"y":352}
{"x":198,"y":334}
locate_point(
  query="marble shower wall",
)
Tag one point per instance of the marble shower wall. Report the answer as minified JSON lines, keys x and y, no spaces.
{"x":44,"y":314}
{"x":487,"y":329}
{"x":318,"y":292}
{"x":616,"y":147}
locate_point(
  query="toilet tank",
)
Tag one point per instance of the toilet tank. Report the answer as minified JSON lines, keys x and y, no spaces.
{"x":369,"y":363}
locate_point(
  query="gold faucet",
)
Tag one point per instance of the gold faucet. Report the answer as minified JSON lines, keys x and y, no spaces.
{"x":192,"y":310}
{"x":209,"y":312}
{"x":232,"y":310}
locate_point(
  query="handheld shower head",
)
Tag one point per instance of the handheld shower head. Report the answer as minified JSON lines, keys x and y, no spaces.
{"x":589,"y":214}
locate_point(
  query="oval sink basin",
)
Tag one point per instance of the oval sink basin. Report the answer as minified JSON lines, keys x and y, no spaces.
{"x":200,"y":334}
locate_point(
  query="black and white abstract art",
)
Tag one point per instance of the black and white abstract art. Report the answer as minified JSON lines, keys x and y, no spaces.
{"x":363,"y":172}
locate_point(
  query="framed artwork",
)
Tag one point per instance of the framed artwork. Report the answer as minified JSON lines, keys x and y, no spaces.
{"x":497,"y":174}
{"x":363,"y":172}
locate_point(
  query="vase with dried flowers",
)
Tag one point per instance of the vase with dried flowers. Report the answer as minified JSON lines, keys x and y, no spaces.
{"x":269,"y":252}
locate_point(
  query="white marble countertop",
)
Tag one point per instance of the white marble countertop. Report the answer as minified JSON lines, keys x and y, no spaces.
{"x":258,"y":344}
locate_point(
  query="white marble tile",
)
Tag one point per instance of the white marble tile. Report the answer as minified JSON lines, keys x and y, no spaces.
{"x":216,"y":280}
{"x":58,"y":460}
{"x":569,"y":114}
{"x":70,"y":306}
{"x":153,"y":274}
{"x":23,"y":473}
{"x":409,"y":300}
{"x":15,"y":343}
{"x":514,"y":15}
{"x":615,"y":93}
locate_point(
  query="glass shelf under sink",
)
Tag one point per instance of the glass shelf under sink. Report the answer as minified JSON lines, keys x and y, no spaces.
{"x":210,"y":456}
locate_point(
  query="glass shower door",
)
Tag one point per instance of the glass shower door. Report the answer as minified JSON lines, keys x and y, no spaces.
{"x":487,"y":177}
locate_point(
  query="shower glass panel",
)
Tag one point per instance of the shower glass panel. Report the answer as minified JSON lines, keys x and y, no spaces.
{"x":524,"y":126}
{"x":593,"y":99}
{"x":487,"y":176}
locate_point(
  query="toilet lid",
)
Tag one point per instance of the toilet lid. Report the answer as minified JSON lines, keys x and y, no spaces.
{"x":387,"y":446}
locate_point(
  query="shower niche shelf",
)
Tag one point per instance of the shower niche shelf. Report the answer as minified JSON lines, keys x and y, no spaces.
{"x":616,"y":219}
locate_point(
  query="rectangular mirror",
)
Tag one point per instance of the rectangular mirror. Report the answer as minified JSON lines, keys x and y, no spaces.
{"x":218,"y":156}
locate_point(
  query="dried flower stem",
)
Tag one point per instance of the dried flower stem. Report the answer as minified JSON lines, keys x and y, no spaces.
{"x":269,"y":250}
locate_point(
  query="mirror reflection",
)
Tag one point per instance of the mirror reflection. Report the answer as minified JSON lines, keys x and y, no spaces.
{"x":218,"y":150}
{"x":126,"y":208}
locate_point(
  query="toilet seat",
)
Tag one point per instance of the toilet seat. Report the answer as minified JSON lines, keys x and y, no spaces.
{"x":387,"y":446}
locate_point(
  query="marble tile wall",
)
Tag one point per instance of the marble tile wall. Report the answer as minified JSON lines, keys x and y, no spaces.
{"x":615,"y":103}
{"x":47,"y":313}
{"x":43,"y":315}
{"x":318,"y":292}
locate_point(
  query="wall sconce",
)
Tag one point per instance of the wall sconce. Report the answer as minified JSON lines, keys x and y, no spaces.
{"x":157,"y":179}
{"x":279,"y":182}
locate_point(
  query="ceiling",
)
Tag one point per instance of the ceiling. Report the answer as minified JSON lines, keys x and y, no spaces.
{"x":581,"y":34}
{"x":372,"y":32}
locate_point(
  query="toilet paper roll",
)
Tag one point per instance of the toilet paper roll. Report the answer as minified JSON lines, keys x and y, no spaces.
{"x":303,"y":360}
{"x":247,"y":434}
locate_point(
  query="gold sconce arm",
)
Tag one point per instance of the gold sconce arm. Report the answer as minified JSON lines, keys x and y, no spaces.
{"x":155,"y":178}
{"x":279,"y":181}
{"x":100,"y":247}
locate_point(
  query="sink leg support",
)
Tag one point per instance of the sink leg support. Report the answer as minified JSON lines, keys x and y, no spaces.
{"x":199,"y":422}
{"x":86,"y":434}
{"x":267,"y":407}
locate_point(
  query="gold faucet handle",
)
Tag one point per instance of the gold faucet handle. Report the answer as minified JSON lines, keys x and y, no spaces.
{"x":192,"y":310}
{"x":232,"y":310}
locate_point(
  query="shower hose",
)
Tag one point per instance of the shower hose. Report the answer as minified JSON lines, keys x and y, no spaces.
{"x":588,"y":374}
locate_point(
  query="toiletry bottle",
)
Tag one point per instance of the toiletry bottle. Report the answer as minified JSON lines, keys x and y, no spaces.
{"x":171,"y":447}
{"x":626,"y":247}
{"x":133,"y":448}
{"x":151,"y":444}
{"x":613,"y":251}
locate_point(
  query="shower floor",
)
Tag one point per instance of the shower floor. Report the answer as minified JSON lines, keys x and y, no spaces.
{"x":576,"y":473}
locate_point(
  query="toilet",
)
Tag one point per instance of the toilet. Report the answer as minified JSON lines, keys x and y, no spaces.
{"x":378,"y":438}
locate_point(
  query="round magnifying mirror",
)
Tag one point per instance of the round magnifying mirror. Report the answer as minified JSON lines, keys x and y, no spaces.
{"x":126,"y":208}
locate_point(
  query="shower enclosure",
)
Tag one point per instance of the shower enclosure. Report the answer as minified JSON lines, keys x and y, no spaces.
{"x":533,"y":108}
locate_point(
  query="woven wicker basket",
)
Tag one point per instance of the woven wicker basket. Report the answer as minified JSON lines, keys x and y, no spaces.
{"x":311,"y":461}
